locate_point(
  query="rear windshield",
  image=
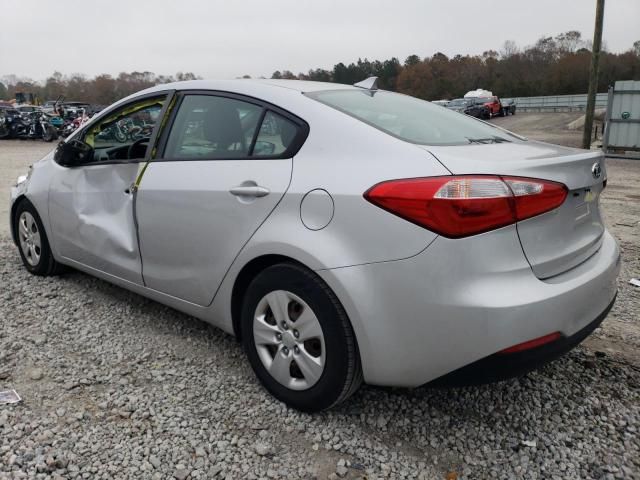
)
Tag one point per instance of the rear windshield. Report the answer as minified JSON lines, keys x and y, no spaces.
{"x":411,"y":119}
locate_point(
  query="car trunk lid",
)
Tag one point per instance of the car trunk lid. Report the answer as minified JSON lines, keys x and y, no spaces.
{"x":559,"y":240}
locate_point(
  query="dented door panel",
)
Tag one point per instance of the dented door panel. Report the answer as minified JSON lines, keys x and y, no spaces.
{"x":92,"y":217}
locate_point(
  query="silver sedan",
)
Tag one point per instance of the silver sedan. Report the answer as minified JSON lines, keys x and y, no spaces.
{"x":344,"y":234}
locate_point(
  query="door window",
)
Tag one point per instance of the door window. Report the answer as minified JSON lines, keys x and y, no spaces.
{"x":276,"y":135}
{"x":126,"y":133}
{"x":211,"y":127}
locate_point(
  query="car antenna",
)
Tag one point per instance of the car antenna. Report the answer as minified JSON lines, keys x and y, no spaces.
{"x":370,"y":84}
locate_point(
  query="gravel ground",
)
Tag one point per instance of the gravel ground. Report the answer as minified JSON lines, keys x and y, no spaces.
{"x":118,"y":386}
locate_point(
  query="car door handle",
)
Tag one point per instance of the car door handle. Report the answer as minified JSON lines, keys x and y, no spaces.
{"x":249,"y":191}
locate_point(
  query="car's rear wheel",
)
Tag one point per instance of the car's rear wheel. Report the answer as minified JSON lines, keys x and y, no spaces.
{"x":298,"y":339}
{"x":33,"y":244}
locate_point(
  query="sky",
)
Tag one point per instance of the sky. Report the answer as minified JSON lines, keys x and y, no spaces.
{"x":227,"y":39}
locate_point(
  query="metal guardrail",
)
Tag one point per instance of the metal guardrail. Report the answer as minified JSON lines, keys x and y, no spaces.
{"x":558,"y":103}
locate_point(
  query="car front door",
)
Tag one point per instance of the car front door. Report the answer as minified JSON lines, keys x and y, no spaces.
{"x":225,"y":164}
{"x":91,"y":205}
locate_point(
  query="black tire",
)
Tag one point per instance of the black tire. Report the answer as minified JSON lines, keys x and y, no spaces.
{"x":46,"y":264}
{"x":120,"y":136}
{"x":50,"y":134}
{"x":342,"y":373}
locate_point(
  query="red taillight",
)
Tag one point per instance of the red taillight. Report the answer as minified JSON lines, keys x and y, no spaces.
{"x":536,"y":342}
{"x":459,"y":206}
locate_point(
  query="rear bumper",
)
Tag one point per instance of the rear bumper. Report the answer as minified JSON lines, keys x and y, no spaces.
{"x":501,"y":366}
{"x":462,"y":300}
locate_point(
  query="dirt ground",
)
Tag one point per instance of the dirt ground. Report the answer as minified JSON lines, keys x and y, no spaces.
{"x":546,"y":127}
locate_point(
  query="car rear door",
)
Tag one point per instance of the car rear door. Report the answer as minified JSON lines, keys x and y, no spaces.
{"x":224,"y":165}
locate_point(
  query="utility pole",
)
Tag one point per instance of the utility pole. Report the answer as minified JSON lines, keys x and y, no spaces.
{"x":593,"y":75}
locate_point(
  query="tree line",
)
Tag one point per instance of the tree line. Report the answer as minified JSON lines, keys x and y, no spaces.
{"x":552,"y":66}
{"x":100,"y":90}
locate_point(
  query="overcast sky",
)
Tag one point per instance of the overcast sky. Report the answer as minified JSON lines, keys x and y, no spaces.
{"x":225,"y":39}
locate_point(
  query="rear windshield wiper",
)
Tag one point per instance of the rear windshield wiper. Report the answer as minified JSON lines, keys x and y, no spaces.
{"x":488,"y":140}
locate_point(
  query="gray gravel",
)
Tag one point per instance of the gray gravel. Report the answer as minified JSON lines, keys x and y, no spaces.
{"x":117,"y":386}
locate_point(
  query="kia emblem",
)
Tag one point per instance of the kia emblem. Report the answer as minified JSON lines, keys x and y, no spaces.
{"x":596,"y":170}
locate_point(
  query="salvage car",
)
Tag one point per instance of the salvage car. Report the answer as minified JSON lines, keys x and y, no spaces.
{"x":469,"y":107}
{"x":492,"y":104}
{"x":344,"y":234}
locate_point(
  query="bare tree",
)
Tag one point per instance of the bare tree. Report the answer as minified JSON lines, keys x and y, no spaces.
{"x":509,"y":49}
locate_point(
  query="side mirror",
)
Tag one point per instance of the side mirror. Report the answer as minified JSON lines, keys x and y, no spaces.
{"x":73,"y":153}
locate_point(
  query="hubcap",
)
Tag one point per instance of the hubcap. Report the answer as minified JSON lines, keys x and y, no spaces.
{"x":289,"y":340}
{"x":29,"y":236}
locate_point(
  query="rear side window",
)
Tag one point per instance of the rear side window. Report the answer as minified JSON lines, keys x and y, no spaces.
{"x":210,"y":127}
{"x":276,"y":135}
{"x":411,"y":119}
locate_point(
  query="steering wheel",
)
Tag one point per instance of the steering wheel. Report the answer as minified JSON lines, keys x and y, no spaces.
{"x":136,"y":144}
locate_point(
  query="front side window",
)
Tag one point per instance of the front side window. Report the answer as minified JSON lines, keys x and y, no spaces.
{"x":125,"y":133}
{"x":210,"y":127}
{"x":411,"y":119}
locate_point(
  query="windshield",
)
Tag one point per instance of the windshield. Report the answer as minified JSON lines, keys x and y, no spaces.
{"x":458,"y":103}
{"x":481,"y":100}
{"x":411,"y":119}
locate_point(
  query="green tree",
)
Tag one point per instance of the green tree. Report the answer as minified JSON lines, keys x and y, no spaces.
{"x":411,"y":60}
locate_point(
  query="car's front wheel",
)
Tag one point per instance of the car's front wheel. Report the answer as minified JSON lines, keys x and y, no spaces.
{"x":32,"y":241}
{"x":298,"y":339}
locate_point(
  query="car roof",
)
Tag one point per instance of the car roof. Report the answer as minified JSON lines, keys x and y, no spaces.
{"x":239,"y":85}
{"x":286,"y":94}
{"x":306,"y":85}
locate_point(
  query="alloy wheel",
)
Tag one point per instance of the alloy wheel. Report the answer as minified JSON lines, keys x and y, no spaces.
{"x":30,"y":240}
{"x":289,"y":340}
